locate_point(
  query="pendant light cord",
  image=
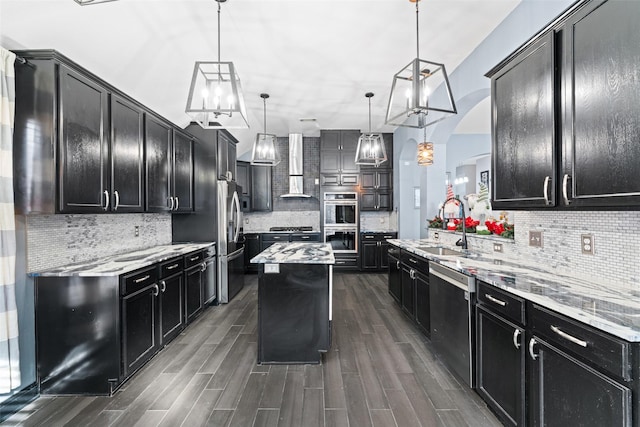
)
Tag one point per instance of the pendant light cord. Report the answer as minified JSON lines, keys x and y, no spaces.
{"x":264,"y":100}
{"x":218,"y":33}
{"x":369,"y":114}
{"x":417,"y":32}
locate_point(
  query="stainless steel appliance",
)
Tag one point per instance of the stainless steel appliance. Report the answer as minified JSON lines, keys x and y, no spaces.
{"x":340,"y":209}
{"x":230,"y":242}
{"x":296,"y":174}
{"x":342,"y":240}
{"x":452,"y":320}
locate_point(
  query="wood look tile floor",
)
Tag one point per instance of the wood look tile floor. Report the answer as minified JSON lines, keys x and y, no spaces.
{"x":380,"y":372}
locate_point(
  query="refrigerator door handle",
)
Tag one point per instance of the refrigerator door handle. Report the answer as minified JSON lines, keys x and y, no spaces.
{"x":235,"y":203}
{"x":235,"y":254}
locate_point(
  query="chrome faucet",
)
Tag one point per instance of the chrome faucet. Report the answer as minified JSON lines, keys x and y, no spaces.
{"x":463,"y":240}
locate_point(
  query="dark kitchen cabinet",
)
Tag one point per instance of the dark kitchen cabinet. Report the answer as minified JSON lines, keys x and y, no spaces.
{"x":84,"y":144}
{"x":127,"y":156}
{"x":500,"y":353}
{"x":338,"y":157}
{"x":601,"y":124}
{"x":194,"y":285}
{"x":171,"y":298}
{"x":578,"y":374}
{"x":226,"y":156}
{"x":158,"y":135}
{"x":141,"y":334}
{"x":261,"y":196}
{"x":408,"y":290}
{"x":182,"y":179}
{"x":376,"y":200}
{"x":251,"y":249}
{"x":524,"y":136}
{"x":374,"y":251}
{"x":565,"y":122}
{"x":377,"y":190}
{"x":395,"y":274}
{"x":422,"y":302}
{"x":244,"y":180}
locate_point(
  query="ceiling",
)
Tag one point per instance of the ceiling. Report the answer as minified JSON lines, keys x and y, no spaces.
{"x":316,"y":58}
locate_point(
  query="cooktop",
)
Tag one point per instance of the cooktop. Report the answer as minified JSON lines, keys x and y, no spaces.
{"x":302,"y":228}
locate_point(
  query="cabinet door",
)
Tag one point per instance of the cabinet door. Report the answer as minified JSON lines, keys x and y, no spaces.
{"x":349,"y":179}
{"x":501,"y":366}
{"x":369,"y":255}
{"x":384,"y":255}
{"x":261,"y":188}
{"x":231,"y":160}
{"x":565,"y":391}
{"x":158,"y":161}
{"x":252,"y":248}
{"x":385,"y":201}
{"x":369,"y":201}
{"x":193,"y":289}
{"x":243,"y":178}
{"x":330,"y":180}
{"x":330,"y":140}
{"x":182,"y":172}
{"x":348,"y":162}
{"x":83,"y":149}
{"x":368,"y":180}
{"x":209,"y":282}
{"x":395,"y":279}
{"x":602,"y":94}
{"x":523,"y":153}
{"x":223,"y":156}
{"x":140,"y":331}
{"x":385,"y":180}
{"x":330,"y":162}
{"x":408,"y":290}
{"x":423,"y":311}
{"x":171,"y":306}
{"x":127,"y":156}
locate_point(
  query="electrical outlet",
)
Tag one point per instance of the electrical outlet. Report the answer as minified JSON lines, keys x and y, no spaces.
{"x":535,"y":238}
{"x":136,"y":231}
{"x":497,"y":247}
{"x":586,"y":244}
{"x":436,"y":236}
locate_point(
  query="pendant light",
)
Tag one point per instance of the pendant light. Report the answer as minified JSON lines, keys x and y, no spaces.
{"x":370,"y":150}
{"x":90,"y":2}
{"x":215,"y":96}
{"x":420,"y":92}
{"x":264,"y":151}
{"x":425,"y":151}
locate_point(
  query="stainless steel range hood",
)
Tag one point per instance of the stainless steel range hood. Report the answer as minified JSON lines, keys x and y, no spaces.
{"x":296,"y":175}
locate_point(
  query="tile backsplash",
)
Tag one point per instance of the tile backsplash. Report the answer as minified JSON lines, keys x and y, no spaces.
{"x":254,"y":222}
{"x":616,"y":236}
{"x":378,"y":221}
{"x":56,"y":240}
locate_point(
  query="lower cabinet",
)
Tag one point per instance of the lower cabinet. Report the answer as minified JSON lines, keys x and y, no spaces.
{"x":414,"y":272}
{"x":374,"y":249}
{"x":395,"y":274}
{"x":193,"y":290}
{"x":251,"y":249}
{"x":171,"y":306}
{"x":422,"y":302}
{"x":408,"y":283}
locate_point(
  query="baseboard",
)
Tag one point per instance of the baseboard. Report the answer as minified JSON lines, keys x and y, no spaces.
{"x":18,"y":401}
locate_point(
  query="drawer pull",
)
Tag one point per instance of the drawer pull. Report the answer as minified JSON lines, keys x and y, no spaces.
{"x":532,"y":342}
{"x":568,"y":337}
{"x":413,"y":260}
{"x":369,"y":237}
{"x":194,"y":258}
{"x":142,"y":279}
{"x":388,"y":237}
{"x":306,"y":237}
{"x":495,"y":300}
{"x":516,"y":338}
{"x":171,"y":267}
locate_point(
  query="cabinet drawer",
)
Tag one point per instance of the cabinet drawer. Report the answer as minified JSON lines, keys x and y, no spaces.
{"x":502,"y":302}
{"x":275,"y":237}
{"x":193,"y":258}
{"x":171,"y":267}
{"x":139,"y":279}
{"x":305,"y":237}
{"x":415,"y":261}
{"x":394,"y":251}
{"x":346,"y":262}
{"x":370,"y":237}
{"x":605,"y":351}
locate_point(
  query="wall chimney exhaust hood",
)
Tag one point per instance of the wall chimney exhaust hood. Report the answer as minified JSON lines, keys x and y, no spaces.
{"x":296,"y":176}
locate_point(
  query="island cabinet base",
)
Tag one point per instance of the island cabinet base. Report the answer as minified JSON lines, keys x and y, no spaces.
{"x":293,"y":313}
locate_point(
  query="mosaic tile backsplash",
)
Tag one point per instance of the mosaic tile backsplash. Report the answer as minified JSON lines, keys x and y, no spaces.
{"x":56,"y":240}
{"x":616,"y":237}
{"x":256,"y":222}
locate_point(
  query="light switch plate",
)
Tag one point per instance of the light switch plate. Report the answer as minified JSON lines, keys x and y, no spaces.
{"x":586,"y":244}
{"x":497,"y":247}
{"x":535,"y":238}
{"x":271,"y":268}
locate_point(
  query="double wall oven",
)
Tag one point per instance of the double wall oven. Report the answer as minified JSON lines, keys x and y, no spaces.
{"x":340,"y":212}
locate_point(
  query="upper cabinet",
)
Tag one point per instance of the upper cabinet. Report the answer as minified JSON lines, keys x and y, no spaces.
{"x":338,"y":157}
{"x":565,"y":121}
{"x":82,"y":146}
{"x":376,"y":183}
{"x":226,"y":156}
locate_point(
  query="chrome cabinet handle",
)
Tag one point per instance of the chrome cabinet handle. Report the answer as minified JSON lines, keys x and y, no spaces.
{"x":413,"y":260}
{"x":177,"y":203}
{"x":305,"y":237}
{"x":532,"y":342}
{"x":164,"y":286}
{"x":369,"y":237}
{"x":171,"y":203}
{"x":495,"y":300}
{"x":116,"y":196}
{"x":565,"y":196}
{"x":568,"y":337}
{"x":142,"y":279}
{"x":388,"y":237}
{"x":547,"y":179}
{"x":412,"y":273}
{"x":516,"y":336}
{"x":171,"y":267}
{"x":156,"y":290}
{"x":203,"y":267}
{"x":106,"y":200}
{"x":193,"y":258}
{"x":398,"y":265}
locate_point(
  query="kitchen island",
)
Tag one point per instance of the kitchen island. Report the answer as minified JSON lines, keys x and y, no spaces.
{"x":294,"y":302}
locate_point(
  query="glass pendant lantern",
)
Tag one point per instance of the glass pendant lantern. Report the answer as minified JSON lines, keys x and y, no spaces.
{"x":265,"y":152}
{"x":371,"y":149}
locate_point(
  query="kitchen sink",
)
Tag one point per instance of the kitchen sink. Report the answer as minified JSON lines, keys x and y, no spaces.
{"x":439,"y":251}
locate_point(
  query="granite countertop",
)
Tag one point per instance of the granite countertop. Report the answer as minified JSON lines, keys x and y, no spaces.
{"x":378,"y":231}
{"x":610,"y":309}
{"x":296,"y":253}
{"x":116,"y":265}
{"x":279,"y":232}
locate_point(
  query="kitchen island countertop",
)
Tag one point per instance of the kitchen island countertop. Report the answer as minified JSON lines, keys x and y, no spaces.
{"x":608,"y":308}
{"x":296,"y":253}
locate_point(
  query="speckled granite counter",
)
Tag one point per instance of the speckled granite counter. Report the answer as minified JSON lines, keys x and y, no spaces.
{"x":609,"y":309}
{"x":296,"y":253}
{"x":123,"y":263}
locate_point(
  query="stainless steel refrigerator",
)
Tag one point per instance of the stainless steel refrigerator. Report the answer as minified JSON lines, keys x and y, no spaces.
{"x":230,"y":242}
